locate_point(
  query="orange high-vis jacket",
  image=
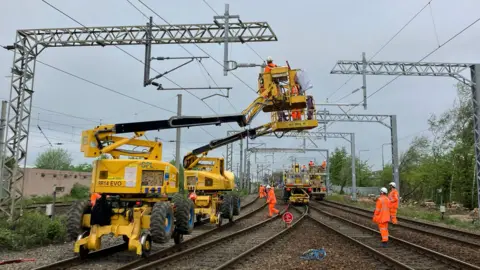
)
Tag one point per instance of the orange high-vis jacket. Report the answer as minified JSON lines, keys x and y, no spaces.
{"x":382,"y":210}
{"x":393,"y":197}
{"x":271,"y":197}
{"x":262,"y":189}
{"x":269,"y":67}
{"x":94,"y":197}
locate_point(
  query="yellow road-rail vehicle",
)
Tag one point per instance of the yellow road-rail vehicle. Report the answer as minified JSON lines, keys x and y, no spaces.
{"x":317,"y":175}
{"x":282,"y":93}
{"x":139,"y":199}
{"x":297,"y":185}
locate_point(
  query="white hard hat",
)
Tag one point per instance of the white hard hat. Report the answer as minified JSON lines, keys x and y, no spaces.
{"x":383,"y":190}
{"x":268,"y":186}
{"x":392,"y":184}
{"x":269,"y":59}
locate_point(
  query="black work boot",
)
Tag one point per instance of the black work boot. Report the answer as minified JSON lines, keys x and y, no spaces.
{"x":384,"y":244}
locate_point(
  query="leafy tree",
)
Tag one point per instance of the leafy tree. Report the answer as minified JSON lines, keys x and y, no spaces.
{"x":54,"y":159}
{"x":341,"y":170}
{"x":83,"y":167}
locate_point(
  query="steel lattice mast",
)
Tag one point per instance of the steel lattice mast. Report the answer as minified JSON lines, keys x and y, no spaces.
{"x":453,"y":70}
{"x":29,"y":43}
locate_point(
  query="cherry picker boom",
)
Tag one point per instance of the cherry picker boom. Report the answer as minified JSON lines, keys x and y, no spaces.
{"x":139,"y":199}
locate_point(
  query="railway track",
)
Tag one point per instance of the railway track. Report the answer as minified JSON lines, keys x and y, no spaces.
{"x":463,"y":237}
{"x":221,"y":252}
{"x":400,"y":254}
{"x":125,"y":260}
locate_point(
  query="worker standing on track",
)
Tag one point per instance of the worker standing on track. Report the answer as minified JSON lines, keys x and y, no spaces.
{"x":271,"y":200}
{"x":393,"y":197}
{"x":381,"y":215}
{"x":261,"y":192}
{"x":94,"y":197}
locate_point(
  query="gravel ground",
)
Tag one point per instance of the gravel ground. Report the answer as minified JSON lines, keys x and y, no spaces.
{"x":53,"y":253}
{"x":213,"y":256}
{"x":285,"y":252}
{"x":444,"y":246}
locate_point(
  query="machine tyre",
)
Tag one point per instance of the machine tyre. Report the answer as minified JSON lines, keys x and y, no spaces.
{"x":236,"y":205}
{"x":227,"y":207}
{"x":74,"y":218}
{"x":161,"y":222}
{"x":184,"y":214}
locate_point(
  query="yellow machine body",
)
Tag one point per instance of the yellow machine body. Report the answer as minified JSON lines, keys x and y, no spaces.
{"x":207,"y":178}
{"x":317,"y":175}
{"x":134,"y":176}
{"x":120,"y":226}
{"x":297,"y":185}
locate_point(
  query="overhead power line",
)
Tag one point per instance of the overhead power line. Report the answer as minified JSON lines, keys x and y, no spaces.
{"x":423,"y":58}
{"x":137,"y":59}
{"x":381,"y":48}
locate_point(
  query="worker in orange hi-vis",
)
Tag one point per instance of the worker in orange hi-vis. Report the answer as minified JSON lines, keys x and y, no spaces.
{"x":94,"y":197}
{"x":261,"y":191}
{"x":271,"y":200}
{"x":269,"y":65}
{"x":324,"y":164}
{"x":381,"y":215}
{"x":296,"y":114}
{"x":393,"y":197}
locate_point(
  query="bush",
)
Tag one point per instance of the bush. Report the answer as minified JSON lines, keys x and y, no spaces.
{"x":79,"y":191}
{"x":32,"y":229}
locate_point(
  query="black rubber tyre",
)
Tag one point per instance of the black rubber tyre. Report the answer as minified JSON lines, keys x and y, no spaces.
{"x":236,"y":205}
{"x":184,"y":214}
{"x":74,"y":218}
{"x":160,"y":230}
{"x":227,"y":207}
{"x":146,"y":245}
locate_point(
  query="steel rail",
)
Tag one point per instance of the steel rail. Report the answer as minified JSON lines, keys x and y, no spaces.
{"x":204,"y":246}
{"x":424,"y":252}
{"x":425,"y":229}
{"x":75,"y":261}
{"x":249,"y":251}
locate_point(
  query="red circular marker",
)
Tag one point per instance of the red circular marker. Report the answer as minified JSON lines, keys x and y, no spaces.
{"x":287,"y":217}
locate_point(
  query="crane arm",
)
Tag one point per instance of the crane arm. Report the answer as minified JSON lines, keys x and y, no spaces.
{"x":101,"y":139}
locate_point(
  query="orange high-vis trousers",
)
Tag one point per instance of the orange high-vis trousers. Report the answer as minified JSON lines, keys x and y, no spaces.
{"x":271,"y":209}
{"x":383,"y":227}
{"x":393,"y":215}
{"x":296,"y":115}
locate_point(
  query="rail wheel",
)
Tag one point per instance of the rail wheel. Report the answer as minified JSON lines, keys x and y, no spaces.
{"x":161,"y":222}
{"x":184,"y":214}
{"x":236,"y":205}
{"x":83,"y":253}
{"x":227,"y":207}
{"x":146,"y":241}
{"x":177,"y":237}
{"x":74,"y":218}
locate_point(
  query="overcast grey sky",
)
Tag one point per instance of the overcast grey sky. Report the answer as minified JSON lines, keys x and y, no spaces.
{"x":312,"y":35}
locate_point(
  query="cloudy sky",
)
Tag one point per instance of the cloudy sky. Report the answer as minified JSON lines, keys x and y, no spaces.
{"x":312,"y":35}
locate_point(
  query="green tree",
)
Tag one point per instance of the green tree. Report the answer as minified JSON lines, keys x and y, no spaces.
{"x":54,"y":159}
{"x":83,"y":167}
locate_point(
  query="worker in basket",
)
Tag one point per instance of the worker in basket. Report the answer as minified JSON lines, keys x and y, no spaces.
{"x":271,"y":200}
{"x":269,"y":65}
{"x":393,"y":197}
{"x":381,"y":215}
{"x":296,"y":114}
